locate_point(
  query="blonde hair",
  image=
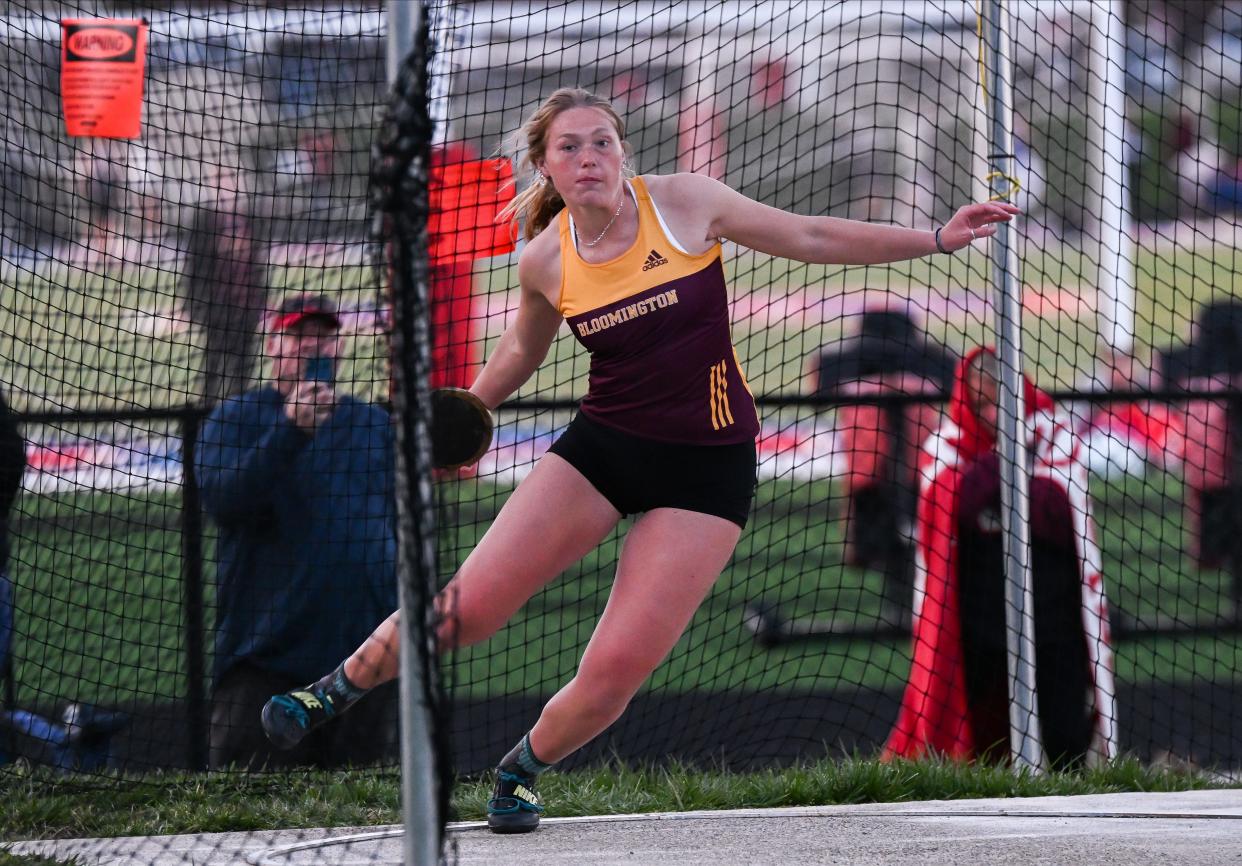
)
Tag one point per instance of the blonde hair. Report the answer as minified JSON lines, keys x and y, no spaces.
{"x":539,"y":202}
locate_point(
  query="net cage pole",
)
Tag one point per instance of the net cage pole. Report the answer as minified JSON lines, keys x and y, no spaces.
{"x":421,"y":816}
{"x":1108,"y":105}
{"x":1025,"y":744}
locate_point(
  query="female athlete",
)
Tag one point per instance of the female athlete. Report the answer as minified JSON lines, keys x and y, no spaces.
{"x":666,"y":431}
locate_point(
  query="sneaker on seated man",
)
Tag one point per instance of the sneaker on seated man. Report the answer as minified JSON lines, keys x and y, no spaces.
{"x":287,"y":718}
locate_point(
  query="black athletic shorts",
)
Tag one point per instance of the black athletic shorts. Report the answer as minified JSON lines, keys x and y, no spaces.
{"x":637,"y":474}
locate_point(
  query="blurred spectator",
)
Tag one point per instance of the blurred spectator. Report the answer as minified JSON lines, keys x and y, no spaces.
{"x":103,"y":188}
{"x":957,"y":700}
{"x":298,"y":477}
{"x":224,"y":291}
{"x":1153,"y":64}
{"x":1228,"y":187}
{"x":1212,"y":361}
{"x":888,"y":354}
{"x":1209,"y":176}
{"x":1197,"y":162}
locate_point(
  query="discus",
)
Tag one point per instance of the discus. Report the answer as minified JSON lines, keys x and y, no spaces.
{"x":461,"y":428}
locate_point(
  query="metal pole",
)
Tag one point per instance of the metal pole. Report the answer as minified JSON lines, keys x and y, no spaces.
{"x":419,"y":784}
{"x":698,"y":122}
{"x":1025,"y":743}
{"x":192,"y":595}
{"x":403,"y":17}
{"x":442,"y":17}
{"x":1108,"y":107}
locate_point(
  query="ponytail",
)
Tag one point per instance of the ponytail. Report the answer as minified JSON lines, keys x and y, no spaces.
{"x":536,"y":206}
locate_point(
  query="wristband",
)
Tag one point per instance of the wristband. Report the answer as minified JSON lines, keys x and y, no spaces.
{"x":939,"y":245}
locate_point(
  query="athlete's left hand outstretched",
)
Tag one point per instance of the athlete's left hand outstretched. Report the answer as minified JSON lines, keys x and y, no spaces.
{"x":975,"y":222}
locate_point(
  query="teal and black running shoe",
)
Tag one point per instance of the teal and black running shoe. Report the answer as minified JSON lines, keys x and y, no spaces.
{"x":289,"y":717}
{"x":514,"y":806}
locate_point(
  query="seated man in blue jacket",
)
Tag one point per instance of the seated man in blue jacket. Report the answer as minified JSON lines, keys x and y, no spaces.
{"x":298,"y":478}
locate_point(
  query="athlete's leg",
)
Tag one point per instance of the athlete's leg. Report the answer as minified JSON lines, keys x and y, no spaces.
{"x":669,"y":562}
{"x":670,"y":559}
{"x":553,"y":519}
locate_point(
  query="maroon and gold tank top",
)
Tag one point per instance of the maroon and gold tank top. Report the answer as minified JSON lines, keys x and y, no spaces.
{"x":656,"y":323}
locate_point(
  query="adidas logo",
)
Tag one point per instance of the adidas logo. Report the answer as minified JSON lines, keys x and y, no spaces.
{"x":654,"y":260}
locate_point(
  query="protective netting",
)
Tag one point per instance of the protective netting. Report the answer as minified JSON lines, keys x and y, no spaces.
{"x":196,"y":352}
{"x":141,"y":276}
{"x":876,"y":111}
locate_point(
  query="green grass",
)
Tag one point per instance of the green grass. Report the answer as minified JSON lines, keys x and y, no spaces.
{"x":98,"y":582}
{"x":99,"y":574}
{"x":41,"y":805}
{"x":792,"y":554}
{"x":72,"y":339}
{"x":99,"y":588}
{"x":1061,"y":349}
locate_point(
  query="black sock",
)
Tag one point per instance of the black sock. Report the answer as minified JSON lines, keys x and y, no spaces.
{"x":523,"y":758}
{"x":344,"y":693}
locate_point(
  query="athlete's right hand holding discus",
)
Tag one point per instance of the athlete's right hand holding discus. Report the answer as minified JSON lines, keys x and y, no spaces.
{"x":634,"y":265}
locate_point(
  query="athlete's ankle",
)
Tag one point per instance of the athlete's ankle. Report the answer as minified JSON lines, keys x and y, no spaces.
{"x":523,"y":759}
{"x":343,"y":691}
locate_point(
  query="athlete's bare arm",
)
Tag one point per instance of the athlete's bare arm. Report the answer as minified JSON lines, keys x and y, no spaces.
{"x":525,"y":343}
{"x":706,"y":209}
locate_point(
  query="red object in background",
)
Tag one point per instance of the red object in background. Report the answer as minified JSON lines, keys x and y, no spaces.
{"x":629,"y":87}
{"x":1207,"y":470}
{"x":467,"y":195}
{"x":454,"y":349}
{"x":1159,"y":430}
{"x":768,"y":83}
{"x":701,"y":139}
{"x":867,"y":440}
{"x":934,"y":718}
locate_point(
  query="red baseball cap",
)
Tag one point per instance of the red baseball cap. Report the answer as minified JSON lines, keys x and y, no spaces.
{"x":299,"y":308}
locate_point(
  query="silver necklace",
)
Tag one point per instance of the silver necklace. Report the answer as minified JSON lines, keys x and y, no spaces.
{"x":600,"y":236}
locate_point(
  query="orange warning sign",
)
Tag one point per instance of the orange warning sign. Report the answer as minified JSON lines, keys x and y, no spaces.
{"x":101,"y":72}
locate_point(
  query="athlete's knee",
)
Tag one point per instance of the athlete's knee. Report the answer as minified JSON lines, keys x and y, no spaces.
{"x":464,"y":619}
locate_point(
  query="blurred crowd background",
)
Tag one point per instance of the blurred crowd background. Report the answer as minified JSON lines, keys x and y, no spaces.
{"x":236,"y":108}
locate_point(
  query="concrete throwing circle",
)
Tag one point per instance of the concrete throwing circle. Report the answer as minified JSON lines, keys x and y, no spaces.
{"x":1198,"y":826}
